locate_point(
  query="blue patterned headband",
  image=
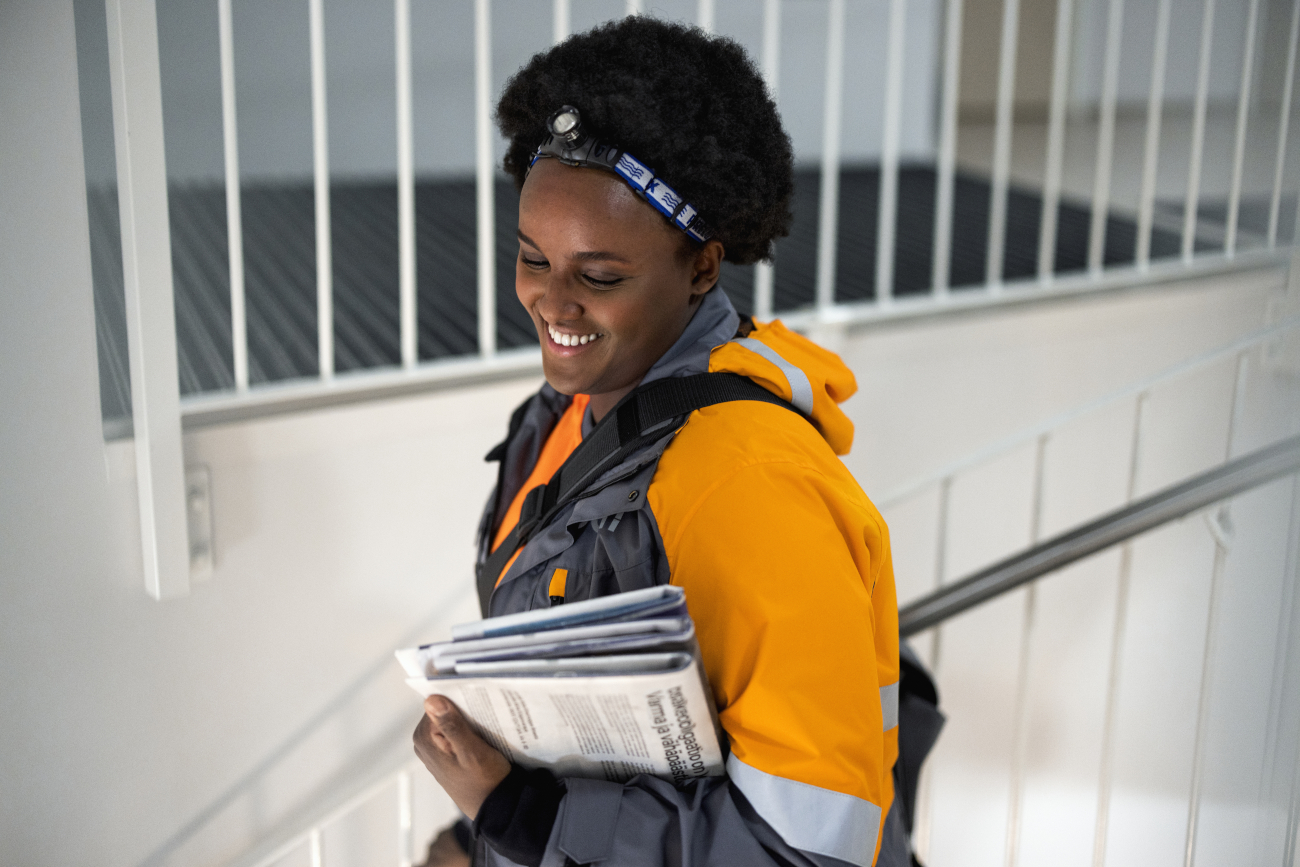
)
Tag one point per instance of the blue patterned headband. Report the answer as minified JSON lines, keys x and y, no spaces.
{"x":573,"y":147}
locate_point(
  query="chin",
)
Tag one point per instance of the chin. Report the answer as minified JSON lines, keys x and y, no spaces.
{"x":565,"y":382}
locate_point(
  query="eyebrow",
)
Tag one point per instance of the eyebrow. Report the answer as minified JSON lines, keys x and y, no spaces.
{"x":586,"y":256}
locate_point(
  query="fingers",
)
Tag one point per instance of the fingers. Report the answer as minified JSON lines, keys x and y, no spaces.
{"x":446,"y":718}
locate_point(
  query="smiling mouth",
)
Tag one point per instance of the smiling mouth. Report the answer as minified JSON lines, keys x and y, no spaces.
{"x":570,"y":339}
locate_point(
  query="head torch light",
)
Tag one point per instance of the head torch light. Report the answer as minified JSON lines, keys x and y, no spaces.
{"x":571,"y":145}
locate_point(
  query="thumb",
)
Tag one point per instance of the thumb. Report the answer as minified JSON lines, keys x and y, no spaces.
{"x":444,"y":714}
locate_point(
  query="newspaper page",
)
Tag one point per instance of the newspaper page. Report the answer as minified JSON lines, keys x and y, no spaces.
{"x":607,"y":726}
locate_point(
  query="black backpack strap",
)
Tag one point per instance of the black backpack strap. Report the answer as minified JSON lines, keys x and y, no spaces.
{"x":639,"y":418}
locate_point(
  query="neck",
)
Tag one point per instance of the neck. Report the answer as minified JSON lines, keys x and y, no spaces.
{"x":602,"y":403}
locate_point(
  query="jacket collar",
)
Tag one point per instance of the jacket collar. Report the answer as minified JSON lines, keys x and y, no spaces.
{"x":712,"y":325}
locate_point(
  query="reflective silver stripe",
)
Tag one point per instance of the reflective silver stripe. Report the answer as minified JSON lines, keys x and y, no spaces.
{"x":810,"y":818}
{"x":801,"y":393}
{"x":889,"y":705}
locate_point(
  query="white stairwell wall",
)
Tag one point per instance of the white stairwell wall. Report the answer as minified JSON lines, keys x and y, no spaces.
{"x":143,"y":733}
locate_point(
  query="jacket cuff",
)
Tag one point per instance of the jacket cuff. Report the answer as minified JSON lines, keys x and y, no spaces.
{"x":516,"y":818}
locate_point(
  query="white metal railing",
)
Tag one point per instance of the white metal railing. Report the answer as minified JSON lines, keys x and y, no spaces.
{"x":141,"y":204}
{"x":1040,"y":436}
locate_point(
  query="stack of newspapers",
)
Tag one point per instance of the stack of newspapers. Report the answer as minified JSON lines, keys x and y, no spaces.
{"x":608,"y":688}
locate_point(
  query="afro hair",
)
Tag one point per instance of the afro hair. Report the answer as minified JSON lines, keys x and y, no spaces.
{"x":690,"y":106}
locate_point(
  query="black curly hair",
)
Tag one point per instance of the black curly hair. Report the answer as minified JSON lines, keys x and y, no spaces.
{"x":690,"y":106}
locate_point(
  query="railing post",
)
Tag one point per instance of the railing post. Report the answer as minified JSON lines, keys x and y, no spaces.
{"x":924,"y":825}
{"x":941,"y":264}
{"x":705,"y":15}
{"x":405,"y":814}
{"x":993,"y":258}
{"x":1283,"y":648}
{"x":1193,"y":201}
{"x":829,"y":213}
{"x":1283,"y":128}
{"x":1055,"y":142}
{"x":316,"y":847}
{"x":1203,"y":703}
{"x":484,"y":180}
{"x":887,"y":213}
{"x":1151,"y":152}
{"x":234,"y":204}
{"x":1020,"y":721}
{"x":405,"y":187}
{"x":1109,"y":715}
{"x":1105,"y":138}
{"x":560,"y":20}
{"x":150,"y":310}
{"x":321,"y":173}
{"x":1243,"y":115}
{"x":763,"y":271}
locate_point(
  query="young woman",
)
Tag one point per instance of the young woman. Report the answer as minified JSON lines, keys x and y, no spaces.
{"x":745,"y":504}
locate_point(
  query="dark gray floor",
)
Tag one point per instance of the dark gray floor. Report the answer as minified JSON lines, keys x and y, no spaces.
{"x":280,"y":266}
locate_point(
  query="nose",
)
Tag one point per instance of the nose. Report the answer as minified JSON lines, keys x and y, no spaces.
{"x":559,"y":302}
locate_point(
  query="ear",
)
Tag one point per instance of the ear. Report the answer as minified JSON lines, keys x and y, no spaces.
{"x":706,"y":268}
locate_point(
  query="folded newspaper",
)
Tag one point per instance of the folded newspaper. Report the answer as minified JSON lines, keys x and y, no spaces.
{"x":608,"y":688}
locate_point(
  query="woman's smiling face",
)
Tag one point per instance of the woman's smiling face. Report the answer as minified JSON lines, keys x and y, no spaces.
{"x":610,"y":285}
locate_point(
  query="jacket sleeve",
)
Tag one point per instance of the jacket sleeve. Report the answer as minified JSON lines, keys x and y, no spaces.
{"x":788,"y":577}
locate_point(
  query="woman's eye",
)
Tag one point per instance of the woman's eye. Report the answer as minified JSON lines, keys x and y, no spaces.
{"x":602,"y":283}
{"x":535,"y":264}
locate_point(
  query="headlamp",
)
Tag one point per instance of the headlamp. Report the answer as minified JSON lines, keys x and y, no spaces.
{"x":571,"y":145}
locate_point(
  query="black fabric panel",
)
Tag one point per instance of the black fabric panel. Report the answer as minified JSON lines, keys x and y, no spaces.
{"x":517,"y":817}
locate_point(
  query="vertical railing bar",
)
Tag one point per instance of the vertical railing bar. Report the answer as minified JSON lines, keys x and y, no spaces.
{"x":1238,"y":402}
{"x":1105,"y":138}
{"x":484,"y":180}
{"x":1105,"y":778}
{"x":828,"y":216}
{"x":1020,"y":720}
{"x":1203,"y":707}
{"x":405,"y":815}
{"x":1193,"y":202}
{"x":148,"y":292}
{"x":1281,"y":659}
{"x":1055,"y":141}
{"x":560,"y":21}
{"x":887,"y":205}
{"x":1236,"y":411}
{"x":941,"y":555}
{"x":405,"y":187}
{"x":234,"y":204}
{"x":321,"y":172}
{"x":632,"y":7}
{"x":1150,"y":157}
{"x":1293,"y":818}
{"x":317,"y":847}
{"x":1243,"y":117}
{"x":704,"y":15}
{"x":1002,"y":145}
{"x":763,"y":271}
{"x":1283,"y":128}
{"x":941,"y":265}
{"x":925,"y":796}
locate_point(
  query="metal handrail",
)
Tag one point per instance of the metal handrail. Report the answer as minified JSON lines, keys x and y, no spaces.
{"x":1169,"y":504}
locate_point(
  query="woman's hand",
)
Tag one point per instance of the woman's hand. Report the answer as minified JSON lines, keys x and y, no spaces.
{"x":445,"y":851}
{"x":464,"y":764}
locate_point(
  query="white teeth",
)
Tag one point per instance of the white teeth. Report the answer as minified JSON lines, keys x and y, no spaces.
{"x":570,"y":339}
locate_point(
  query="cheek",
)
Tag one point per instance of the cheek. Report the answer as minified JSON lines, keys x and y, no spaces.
{"x":527,"y":287}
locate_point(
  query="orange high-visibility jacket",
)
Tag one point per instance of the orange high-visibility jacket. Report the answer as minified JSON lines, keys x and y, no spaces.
{"x":787,"y":571}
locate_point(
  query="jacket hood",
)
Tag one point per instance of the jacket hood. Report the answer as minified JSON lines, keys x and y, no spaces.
{"x":793,"y":367}
{"x":765,"y":356}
